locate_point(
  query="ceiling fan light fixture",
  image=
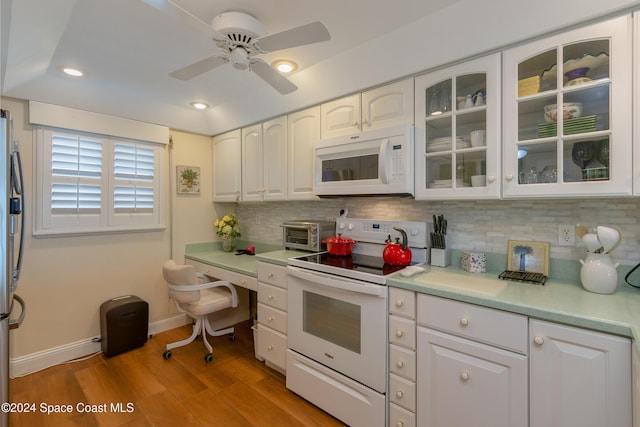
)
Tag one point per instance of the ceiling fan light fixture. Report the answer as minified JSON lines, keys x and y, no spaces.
{"x":198,"y":105}
{"x":284,"y":65}
{"x":239,"y":58}
{"x":74,"y":72}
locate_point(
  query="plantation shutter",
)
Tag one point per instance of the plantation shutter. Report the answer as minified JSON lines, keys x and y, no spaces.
{"x":133,"y":166}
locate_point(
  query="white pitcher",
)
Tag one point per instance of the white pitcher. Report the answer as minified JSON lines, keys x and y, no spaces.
{"x":598,"y":273}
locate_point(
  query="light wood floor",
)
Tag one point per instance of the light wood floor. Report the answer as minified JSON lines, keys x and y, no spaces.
{"x":235,"y":389}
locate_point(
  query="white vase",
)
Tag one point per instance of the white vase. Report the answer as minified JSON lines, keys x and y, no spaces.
{"x":598,"y":273}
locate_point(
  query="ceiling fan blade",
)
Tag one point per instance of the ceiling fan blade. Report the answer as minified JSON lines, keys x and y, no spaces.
{"x":271,"y":76}
{"x":169,"y":8}
{"x":299,"y":36}
{"x":197,"y":68}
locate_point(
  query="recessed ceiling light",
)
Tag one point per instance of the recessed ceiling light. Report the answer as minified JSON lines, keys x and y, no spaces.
{"x":72,"y":72}
{"x":199,"y":105}
{"x":284,"y":65}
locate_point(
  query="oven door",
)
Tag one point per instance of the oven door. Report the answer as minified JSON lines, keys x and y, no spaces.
{"x":340,"y":323}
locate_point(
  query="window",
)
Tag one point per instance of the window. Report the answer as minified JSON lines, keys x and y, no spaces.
{"x":90,"y":183}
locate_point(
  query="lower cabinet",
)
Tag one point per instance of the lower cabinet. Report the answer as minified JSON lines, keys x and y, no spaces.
{"x":579,"y":378}
{"x":272,"y":315}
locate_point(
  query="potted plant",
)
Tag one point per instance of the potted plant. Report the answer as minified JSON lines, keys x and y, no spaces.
{"x":227,"y":228}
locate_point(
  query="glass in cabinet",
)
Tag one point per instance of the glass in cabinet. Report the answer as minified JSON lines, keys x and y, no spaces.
{"x":567,"y":114}
{"x":457,"y":131}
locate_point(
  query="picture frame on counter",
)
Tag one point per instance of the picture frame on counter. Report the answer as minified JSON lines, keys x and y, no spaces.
{"x":188,"y":179}
{"x":528,"y":256}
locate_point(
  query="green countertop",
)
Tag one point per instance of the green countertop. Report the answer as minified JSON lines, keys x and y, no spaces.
{"x":559,"y":301}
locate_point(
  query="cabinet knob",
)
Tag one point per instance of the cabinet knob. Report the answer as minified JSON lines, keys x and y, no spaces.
{"x":399,"y":394}
{"x":491,"y":178}
{"x":400,"y":364}
{"x":270,"y":348}
{"x":270,"y":319}
{"x":271,"y":297}
{"x":538,"y":340}
{"x":399,"y":333}
{"x":509,"y":176}
{"x":400,"y":424}
{"x":270,"y":275}
{"x":365,"y":122}
{"x":399,"y":303}
{"x":464,"y":376}
{"x":464,"y":321}
{"x":355,"y":124}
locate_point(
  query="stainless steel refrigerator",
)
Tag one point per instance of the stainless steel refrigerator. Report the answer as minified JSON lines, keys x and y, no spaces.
{"x":11,"y":244}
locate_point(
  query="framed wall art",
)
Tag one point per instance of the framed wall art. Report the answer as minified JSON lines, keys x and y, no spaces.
{"x":527,"y":256}
{"x":188,"y":179}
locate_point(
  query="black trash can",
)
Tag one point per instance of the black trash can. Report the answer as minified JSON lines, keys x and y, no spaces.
{"x":124,"y":324}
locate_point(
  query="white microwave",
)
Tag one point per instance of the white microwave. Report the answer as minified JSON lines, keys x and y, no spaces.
{"x":377,"y":162}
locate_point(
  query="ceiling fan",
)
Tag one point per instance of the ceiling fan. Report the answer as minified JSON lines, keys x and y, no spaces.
{"x":241,"y":37}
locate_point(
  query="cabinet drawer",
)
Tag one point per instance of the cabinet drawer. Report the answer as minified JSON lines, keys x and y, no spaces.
{"x":231,"y":277}
{"x":402,"y":362}
{"x":272,"y":274}
{"x":402,"y":392}
{"x":272,"y":317}
{"x":494,"y":327}
{"x":272,"y":346}
{"x":402,"y":302}
{"x":400,"y":417}
{"x":402,"y":332}
{"x":273,"y":296}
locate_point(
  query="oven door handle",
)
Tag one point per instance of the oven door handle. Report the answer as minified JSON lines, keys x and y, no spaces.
{"x":343,"y":283}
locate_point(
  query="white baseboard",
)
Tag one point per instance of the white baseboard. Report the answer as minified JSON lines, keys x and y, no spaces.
{"x":30,"y":363}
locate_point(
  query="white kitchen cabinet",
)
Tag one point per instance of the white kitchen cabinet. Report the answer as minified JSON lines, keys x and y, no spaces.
{"x":384,"y":106}
{"x":569,"y":154}
{"x":635,"y":383}
{"x":402,"y":357}
{"x":303,"y":131}
{"x":458,"y":138}
{"x":272,"y":315}
{"x":578,"y":378}
{"x":636,"y":107}
{"x":461,"y":379}
{"x":264,"y":161}
{"x":227,"y":167}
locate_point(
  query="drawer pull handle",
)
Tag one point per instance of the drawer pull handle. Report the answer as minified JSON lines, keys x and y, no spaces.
{"x":399,"y":303}
{"x":399,"y":394}
{"x":400,"y":364}
{"x":399,"y":333}
{"x":400,"y":424}
{"x":270,"y":348}
{"x":538,"y":340}
{"x":464,"y":376}
{"x":464,"y":321}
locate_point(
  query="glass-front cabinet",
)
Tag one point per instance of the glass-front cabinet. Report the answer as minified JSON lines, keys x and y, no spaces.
{"x":457,"y":131}
{"x":567,"y":114}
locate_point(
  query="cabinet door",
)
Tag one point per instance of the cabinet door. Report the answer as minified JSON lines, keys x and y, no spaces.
{"x":227,"y":168}
{"x":636,"y":108}
{"x":274,"y":145}
{"x":388,"y":105}
{"x":578,"y":378}
{"x":303,"y":132}
{"x":340,"y":117}
{"x":581,"y":148}
{"x":252,"y":163}
{"x":463,"y":383}
{"x":458,"y":139}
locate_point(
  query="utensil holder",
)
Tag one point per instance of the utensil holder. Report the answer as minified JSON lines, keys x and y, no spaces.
{"x":440,"y":257}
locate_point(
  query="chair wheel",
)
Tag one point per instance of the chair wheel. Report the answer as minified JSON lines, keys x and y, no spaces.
{"x":166,"y":354}
{"x":208,"y":358}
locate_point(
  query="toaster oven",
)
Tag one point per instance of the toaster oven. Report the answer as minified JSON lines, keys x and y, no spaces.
{"x":307,"y":235}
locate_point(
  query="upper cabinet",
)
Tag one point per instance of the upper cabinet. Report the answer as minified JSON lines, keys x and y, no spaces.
{"x":636,"y":104}
{"x":457,"y":119}
{"x":303,"y":132}
{"x":227,"y":163}
{"x":567,"y":114}
{"x":264,"y":161}
{"x":381,"y":107}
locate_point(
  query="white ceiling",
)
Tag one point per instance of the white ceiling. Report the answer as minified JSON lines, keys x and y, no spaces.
{"x":127,"y":48}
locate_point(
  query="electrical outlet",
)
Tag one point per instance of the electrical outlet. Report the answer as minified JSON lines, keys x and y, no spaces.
{"x":567,"y":235}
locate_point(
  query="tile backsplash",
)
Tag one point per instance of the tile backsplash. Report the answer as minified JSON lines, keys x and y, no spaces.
{"x":472,"y":225}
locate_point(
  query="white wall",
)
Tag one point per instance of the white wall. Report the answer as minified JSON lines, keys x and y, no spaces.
{"x":65,"y":279}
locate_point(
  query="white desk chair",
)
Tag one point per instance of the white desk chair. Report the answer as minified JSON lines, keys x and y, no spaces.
{"x":197,"y":300}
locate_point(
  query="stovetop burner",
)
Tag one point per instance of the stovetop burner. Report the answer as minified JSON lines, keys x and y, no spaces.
{"x":356,"y":262}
